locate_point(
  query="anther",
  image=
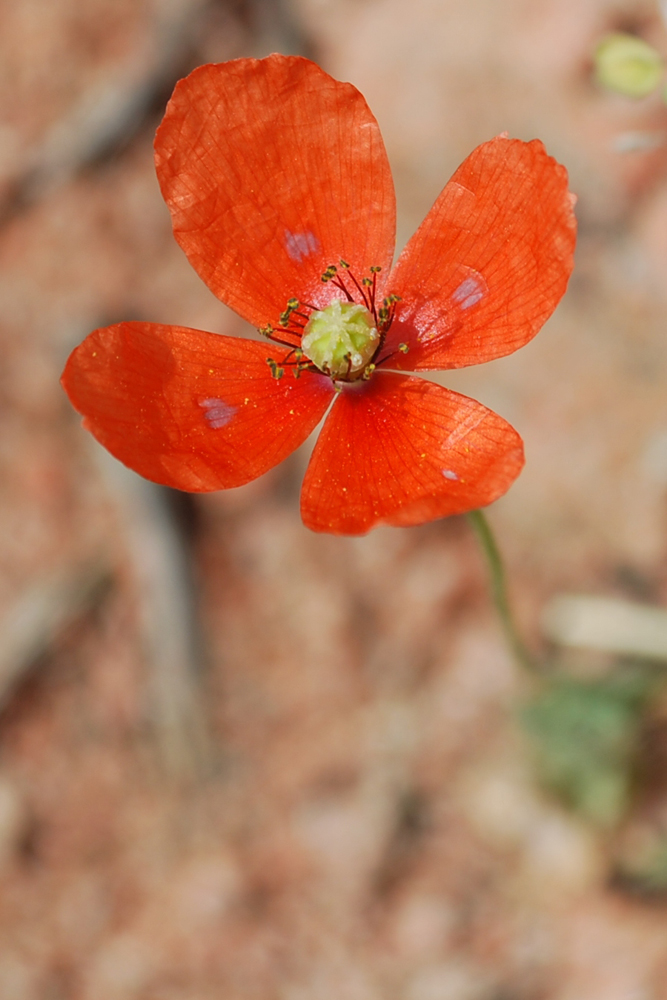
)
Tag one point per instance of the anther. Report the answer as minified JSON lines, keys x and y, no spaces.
{"x":292,"y":306}
{"x":276,"y":370}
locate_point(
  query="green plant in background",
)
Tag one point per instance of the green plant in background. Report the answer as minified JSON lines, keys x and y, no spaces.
{"x":589,"y":736}
{"x":586,"y":733}
{"x":586,"y":739}
{"x":628,"y":65}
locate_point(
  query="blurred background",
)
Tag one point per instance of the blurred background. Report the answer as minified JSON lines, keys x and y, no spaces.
{"x":242,"y":761}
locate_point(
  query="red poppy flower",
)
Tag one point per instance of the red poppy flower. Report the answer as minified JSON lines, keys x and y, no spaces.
{"x":281,"y":196}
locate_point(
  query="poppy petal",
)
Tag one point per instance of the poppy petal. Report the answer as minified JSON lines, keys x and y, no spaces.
{"x":192,"y":410}
{"x":273,"y":171}
{"x":401,"y":451}
{"x":490,"y":262}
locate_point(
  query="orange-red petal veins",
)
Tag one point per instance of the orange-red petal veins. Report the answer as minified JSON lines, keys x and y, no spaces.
{"x":401,"y":451}
{"x":489,"y":263}
{"x":273,"y":171}
{"x":192,"y":410}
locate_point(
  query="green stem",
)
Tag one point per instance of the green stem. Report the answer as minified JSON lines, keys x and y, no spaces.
{"x":496,"y":568}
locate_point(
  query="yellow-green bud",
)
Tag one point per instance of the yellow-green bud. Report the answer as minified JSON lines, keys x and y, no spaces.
{"x":340,"y":339}
{"x":628,"y":65}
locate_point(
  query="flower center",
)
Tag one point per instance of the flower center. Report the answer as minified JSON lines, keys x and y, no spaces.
{"x":340,"y":339}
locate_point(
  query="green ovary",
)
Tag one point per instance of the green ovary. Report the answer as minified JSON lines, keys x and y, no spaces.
{"x":340,"y":339}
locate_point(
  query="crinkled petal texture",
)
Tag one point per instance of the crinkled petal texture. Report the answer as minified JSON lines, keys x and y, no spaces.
{"x":272,"y":171}
{"x":400,"y":450}
{"x":192,"y":410}
{"x":489,"y":263}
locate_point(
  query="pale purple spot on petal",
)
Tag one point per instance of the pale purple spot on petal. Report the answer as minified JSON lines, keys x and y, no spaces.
{"x":450,"y":474}
{"x":217,"y":413}
{"x":300,"y":245}
{"x":469,"y":292}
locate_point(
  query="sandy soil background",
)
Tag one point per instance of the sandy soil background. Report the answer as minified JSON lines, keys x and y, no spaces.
{"x":241,"y":761}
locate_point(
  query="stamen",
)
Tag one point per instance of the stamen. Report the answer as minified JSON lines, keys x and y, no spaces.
{"x":361,"y":291}
{"x":374,"y":271}
{"x":292,"y":305}
{"x":339,"y":284}
{"x":282,"y":341}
